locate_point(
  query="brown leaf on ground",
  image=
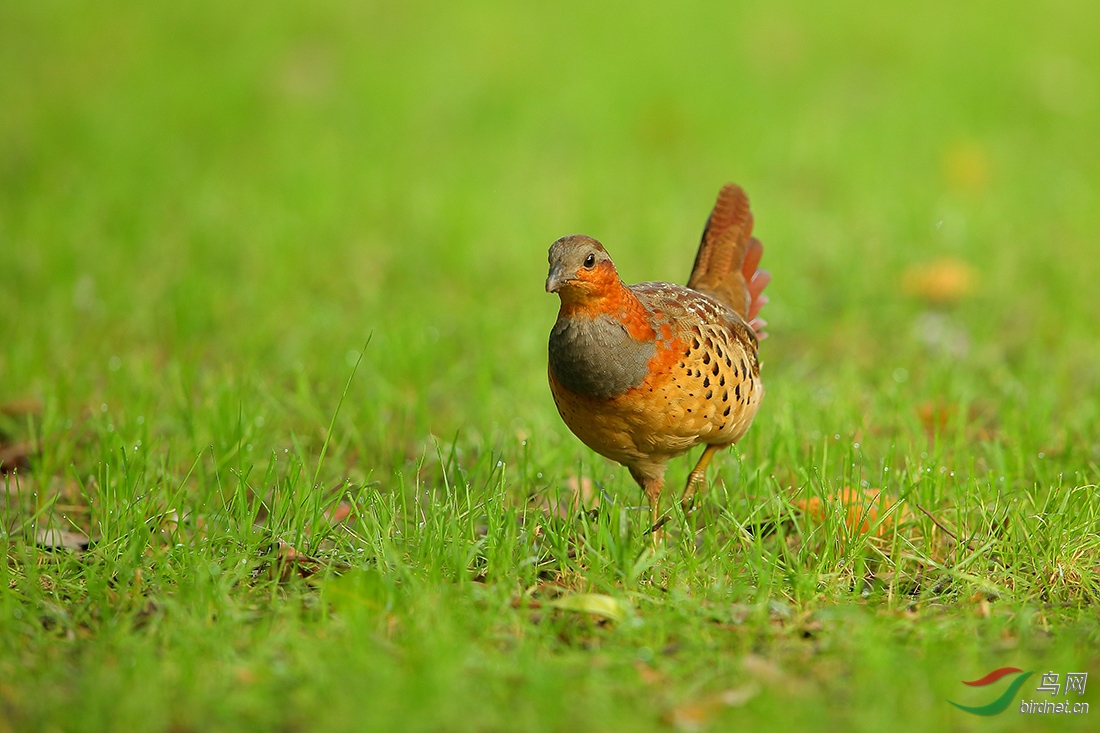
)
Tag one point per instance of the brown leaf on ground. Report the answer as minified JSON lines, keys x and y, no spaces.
{"x":341,"y":512}
{"x":944,"y":281}
{"x":290,"y":560}
{"x":286,"y":562}
{"x":862,"y":511}
{"x":15,"y":456}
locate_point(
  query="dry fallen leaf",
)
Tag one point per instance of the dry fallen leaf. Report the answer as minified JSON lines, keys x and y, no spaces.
{"x":862,"y":511}
{"x":288,"y":561}
{"x":594,"y":603}
{"x":340,"y":512}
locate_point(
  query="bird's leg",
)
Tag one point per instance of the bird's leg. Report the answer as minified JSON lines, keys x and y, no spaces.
{"x":652,"y":486}
{"x":696,"y":477}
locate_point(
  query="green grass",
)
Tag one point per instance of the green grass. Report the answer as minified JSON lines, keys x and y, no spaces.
{"x":207,"y":212}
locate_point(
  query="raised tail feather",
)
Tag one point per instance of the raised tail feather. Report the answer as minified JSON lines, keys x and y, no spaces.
{"x":726,"y":265}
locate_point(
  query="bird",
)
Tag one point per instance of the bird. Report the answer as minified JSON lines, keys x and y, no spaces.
{"x":644,"y":373}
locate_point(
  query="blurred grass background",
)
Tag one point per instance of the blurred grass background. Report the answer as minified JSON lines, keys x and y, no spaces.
{"x":202,"y":194}
{"x":205,"y":211}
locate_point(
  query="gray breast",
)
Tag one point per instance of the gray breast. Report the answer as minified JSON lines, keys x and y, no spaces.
{"x":596,"y":356}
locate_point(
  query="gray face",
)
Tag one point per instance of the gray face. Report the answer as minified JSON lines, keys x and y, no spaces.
{"x":570,"y":255}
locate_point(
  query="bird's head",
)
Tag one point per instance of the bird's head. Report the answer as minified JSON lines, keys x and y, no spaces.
{"x":580,"y":270}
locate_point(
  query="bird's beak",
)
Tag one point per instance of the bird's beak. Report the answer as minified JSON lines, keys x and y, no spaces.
{"x":555,"y":279}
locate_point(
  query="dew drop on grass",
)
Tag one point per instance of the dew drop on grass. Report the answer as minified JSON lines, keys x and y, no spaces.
{"x":114,"y":363}
{"x":141,"y":419}
{"x":259,"y":421}
{"x":900,"y":375}
{"x":103,"y":407}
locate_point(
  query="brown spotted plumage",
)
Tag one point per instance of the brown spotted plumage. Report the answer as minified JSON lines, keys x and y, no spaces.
{"x":644,"y":373}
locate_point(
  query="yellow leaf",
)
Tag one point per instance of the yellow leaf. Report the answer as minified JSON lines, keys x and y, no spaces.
{"x":594,"y":603}
{"x":862,"y":510}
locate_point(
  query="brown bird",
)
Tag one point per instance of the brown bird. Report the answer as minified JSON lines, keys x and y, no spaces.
{"x":644,"y":373}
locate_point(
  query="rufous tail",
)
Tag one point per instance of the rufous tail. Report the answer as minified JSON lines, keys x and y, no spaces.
{"x":726,"y":267}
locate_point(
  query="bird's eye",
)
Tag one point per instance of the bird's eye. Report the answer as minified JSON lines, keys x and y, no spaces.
{"x":590,"y":261}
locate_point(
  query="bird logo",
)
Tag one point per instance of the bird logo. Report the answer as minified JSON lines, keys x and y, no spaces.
{"x":1005,"y":699}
